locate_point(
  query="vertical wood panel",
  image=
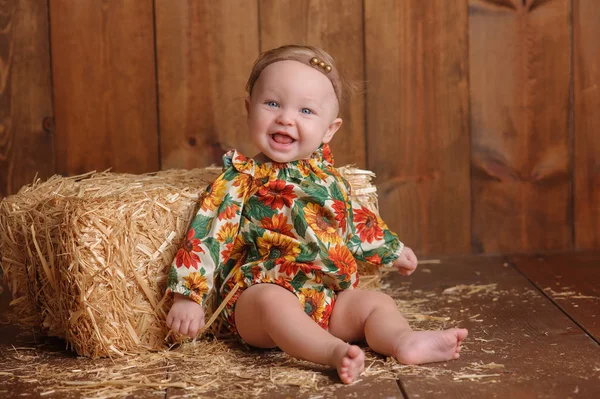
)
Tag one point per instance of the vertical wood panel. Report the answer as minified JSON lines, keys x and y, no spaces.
{"x":417,"y":114}
{"x":586,"y":31}
{"x":104,"y":85}
{"x":205,"y":51}
{"x":25,"y":94}
{"x":519,"y":81}
{"x":337,"y":27}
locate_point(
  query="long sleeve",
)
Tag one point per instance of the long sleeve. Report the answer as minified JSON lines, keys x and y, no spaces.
{"x":370,"y":240}
{"x":210,"y":237}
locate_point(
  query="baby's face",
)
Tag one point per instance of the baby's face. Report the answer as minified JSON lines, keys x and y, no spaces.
{"x":292,"y":110}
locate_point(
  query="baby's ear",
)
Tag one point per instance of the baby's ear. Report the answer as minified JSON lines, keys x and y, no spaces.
{"x":333,"y":127}
{"x":247,"y":102}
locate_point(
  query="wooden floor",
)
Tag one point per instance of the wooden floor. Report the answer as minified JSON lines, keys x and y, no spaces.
{"x":534,"y":332}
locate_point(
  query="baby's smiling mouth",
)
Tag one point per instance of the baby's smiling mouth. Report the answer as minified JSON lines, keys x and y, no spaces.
{"x":282,"y":138}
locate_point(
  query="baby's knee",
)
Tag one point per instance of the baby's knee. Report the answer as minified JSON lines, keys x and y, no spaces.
{"x":269,"y":297}
{"x":379,"y":300}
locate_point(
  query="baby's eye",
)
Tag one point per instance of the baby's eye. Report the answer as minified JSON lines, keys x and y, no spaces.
{"x":272,"y":104}
{"x":306,"y":111}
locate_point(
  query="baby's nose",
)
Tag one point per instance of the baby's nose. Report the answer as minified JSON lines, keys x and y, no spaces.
{"x":285,"y":117}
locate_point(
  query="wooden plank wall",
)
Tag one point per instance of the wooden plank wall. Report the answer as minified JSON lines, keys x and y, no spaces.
{"x":480,"y":117}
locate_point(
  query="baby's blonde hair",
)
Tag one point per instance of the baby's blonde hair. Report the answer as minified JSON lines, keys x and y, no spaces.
{"x":301,"y":54}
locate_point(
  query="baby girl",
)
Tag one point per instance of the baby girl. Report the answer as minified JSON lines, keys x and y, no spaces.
{"x":282,"y":230}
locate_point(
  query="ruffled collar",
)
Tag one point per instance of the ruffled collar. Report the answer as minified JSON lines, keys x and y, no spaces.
{"x":320,"y":159}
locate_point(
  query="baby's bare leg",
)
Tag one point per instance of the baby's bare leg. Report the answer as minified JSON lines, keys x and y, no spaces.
{"x":374,"y":316}
{"x":267,"y":315}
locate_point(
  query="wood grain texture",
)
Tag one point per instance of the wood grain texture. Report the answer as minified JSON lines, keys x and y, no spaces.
{"x":520,"y":345}
{"x":571,"y":280}
{"x":519,"y":68}
{"x":417,"y":120}
{"x":586,"y":74}
{"x":337,"y":27}
{"x":26,"y":149}
{"x":104,"y":86}
{"x":205,"y":50}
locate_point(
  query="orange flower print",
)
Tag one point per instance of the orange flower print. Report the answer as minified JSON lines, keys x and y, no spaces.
{"x":324,"y":322}
{"x":375,"y":259}
{"x":339,"y":207}
{"x":282,"y":282}
{"x":257,"y":272}
{"x":292,"y":268}
{"x":276,"y":194}
{"x":278,"y":223}
{"x":313,"y":303}
{"x":226,"y":252}
{"x":197,"y":283}
{"x":213,"y":198}
{"x":239,"y":250}
{"x":327,"y":153}
{"x":320,"y":173}
{"x":195,"y":297}
{"x":322,"y":221}
{"x":188,"y":253}
{"x":229,"y":213}
{"x":227,"y":232}
{"x":367,"y":225}
{"x":242,"y":182}
{"x":304,"y":169}
{"x":343,"y":260}
{"x":277,"y":246}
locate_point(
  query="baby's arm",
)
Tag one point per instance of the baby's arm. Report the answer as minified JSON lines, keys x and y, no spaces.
{"x":204,"y":250}
{"x":371,"y":240}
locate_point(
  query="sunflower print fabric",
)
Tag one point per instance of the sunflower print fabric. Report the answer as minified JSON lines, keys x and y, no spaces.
{"x":289,"y":224}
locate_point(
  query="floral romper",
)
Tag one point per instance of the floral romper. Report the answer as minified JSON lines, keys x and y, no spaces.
{"x":291,"y":224}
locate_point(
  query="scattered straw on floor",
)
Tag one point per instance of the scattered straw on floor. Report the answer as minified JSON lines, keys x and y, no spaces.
{"x":225,"y":369}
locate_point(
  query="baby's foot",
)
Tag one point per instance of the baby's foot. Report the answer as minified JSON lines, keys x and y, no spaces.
{"x":418,"y":347}
{"x":349,"y":360}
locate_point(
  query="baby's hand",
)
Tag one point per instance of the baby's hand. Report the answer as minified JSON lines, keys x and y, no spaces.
{"x":406,"y":262}
{"x":186,"y":316}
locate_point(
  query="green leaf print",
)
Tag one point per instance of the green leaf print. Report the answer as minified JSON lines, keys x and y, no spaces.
{"x":299,"y":280}
{"x":269,"y":264}
{"x":202,"y":225}
{"x":230,"y":174}
{"x":391,"y":239}
{"x":172,"y":277}
{"x":214,"y":249}
{"x":329,"y":265}
{"x":290,"y":175}
{"x":308,"y":252}
{"x":354,"y":242}
{"x":344,"y":285}
{"x":317,"y":192}
{"x":257,"y":210}
{"x":335,"y":191}
{"x":299,"y":219}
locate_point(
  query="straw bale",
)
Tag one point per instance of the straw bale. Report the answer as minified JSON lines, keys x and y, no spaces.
{"x":86,"y":257}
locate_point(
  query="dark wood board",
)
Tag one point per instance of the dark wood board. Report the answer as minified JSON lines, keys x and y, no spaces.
{"x":26,"y":124}
{"x":204,"y":50}
{"x":417,"y":113}
{"x":586,"y":123}
{"x":519,"y":83}
{"x":104,"y":86}
{"x":571,"y":281}
{"x":526,"y":345}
